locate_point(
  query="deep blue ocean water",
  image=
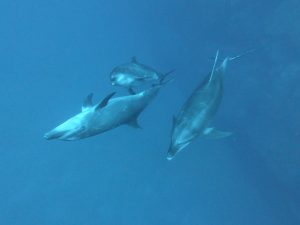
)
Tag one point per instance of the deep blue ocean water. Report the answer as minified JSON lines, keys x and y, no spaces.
{"x":53,"y":53}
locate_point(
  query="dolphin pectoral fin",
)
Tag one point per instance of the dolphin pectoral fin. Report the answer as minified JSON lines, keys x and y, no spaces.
{"x":131,"y":91}
{"x":174,"y":150}
{"x":104,"y":102}
{"x":134,"y":123}
{"x":87,"y":103}
{"x":215,"y":134}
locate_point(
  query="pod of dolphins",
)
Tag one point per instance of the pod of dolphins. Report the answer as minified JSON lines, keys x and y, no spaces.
{"x":193,"y":120}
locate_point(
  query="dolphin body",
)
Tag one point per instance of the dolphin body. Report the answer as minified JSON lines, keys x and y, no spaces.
{"x":106,"y":115}
{"x":197,"y":112}
{"x":134,"y":74}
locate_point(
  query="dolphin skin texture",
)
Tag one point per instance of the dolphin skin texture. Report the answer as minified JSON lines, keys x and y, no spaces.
{"x":134,"y":74}
{"x":106,"y":115}
{"x":196,"y":114}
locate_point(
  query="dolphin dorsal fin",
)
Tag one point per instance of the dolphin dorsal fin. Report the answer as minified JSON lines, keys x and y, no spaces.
{"x":214,"y":66}
{"x":87,"y":102}
{"x":133,"y":59}
{"x":104,"y":102}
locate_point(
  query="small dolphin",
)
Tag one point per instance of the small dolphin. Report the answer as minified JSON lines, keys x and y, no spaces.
{"x":106,"y":115}
{"x":197,"y":112}
{"x":134,"y":74}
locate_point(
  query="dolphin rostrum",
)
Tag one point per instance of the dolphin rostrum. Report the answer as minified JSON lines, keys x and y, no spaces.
{"x":197,"y":112}
{"x":106,"y":115}
{"x":134,"y":74}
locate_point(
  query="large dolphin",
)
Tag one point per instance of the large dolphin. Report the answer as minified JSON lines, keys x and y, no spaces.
{"x":106,"y":115}
{"x":134,"y":74}
{"x":195,"y":116}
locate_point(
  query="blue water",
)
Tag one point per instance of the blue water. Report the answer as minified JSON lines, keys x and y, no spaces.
{"x":53,"y":53}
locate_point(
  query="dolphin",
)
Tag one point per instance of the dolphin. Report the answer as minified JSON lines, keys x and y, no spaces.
{"x":196,"y":114}
{"x":134,"y":74}
{"x":106,"y":115}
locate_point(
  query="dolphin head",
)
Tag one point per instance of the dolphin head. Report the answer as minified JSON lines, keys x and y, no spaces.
{"x":121,"y":78}
{"x":113,"y":79}
{"x":175,"y":148}
{"x":82,"y":125}
{"x":72,"y":129}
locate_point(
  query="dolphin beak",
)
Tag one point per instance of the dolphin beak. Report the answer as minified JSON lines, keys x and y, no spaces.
{"x":53,"y":135}
{"x":66,"y":135}
{"x":46,"y":136}
{"x":171,"y":152}
{"x":175,"y":149}
{"x":170,"y":157}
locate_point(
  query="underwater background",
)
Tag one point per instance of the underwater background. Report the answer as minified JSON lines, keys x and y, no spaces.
{"x":53,"y":53}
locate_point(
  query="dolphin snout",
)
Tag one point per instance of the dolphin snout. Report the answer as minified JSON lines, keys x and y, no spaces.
{"x":52,"y":135}
{"x":48,"y":136}
{"x":170,"y":157}
{"x":171,"y":152}
{"x":174,"y":149}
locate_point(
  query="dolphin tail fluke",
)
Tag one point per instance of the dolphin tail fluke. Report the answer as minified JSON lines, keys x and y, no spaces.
{"x":162,"y":82}
{"x":227,"y":59}
{"x":214,"y":66}
{"x":167,"y":74}
{"x":242,"y":54}
{"x":215,"y":134}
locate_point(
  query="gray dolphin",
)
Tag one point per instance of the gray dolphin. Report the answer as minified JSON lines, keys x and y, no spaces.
{"x":198,"y":111}
{"x":106,"y":115}
{"x":134,"y":74}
